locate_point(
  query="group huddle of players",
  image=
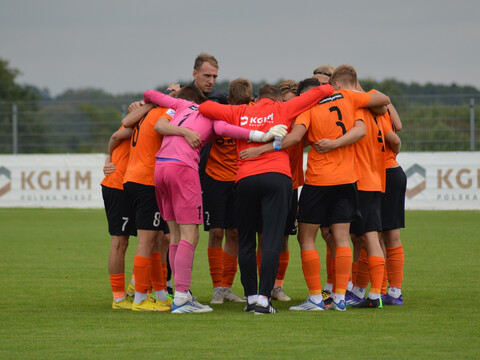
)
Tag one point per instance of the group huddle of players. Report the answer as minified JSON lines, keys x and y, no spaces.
{"x":170,"y":168}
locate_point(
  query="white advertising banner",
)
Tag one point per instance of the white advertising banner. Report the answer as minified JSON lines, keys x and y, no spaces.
{"x":51,"y":181}
{"x":442,"y":180}
{"x":437,"y":181}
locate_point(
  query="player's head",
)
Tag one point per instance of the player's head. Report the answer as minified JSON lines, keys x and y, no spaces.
{"x":323,"y":73}
{"x":307,"y":84}
{"x":270,"y":92}
{"x":240,"y":92}
{"x":205,"y":72}
{"x":344,"y":77}
{"x":191,"y":93}
{"x":288,"y":89}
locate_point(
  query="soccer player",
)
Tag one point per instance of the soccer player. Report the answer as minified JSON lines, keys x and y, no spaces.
{"x":219,"y":204}
{"x":119,"y":215}
{"x":177,"y":181}
{"x":140,"y":186}
{"x":264,"y":186}
{"x":119,"y":209}
{"x":370,"y":163}
{"x":393,"y":208}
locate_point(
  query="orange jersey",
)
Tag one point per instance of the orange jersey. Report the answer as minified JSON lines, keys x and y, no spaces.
{"x":222,"y":160}
{"x":144,"y":145}
{"x":370,"y":154}
{"x":390,"y":155}
{"x":120,"y":159}
{"x":330,"y":119}
{"x":295,"y":155}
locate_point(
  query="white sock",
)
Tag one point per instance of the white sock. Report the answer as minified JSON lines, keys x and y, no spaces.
{"x":180,"y":298}
{"x":328,"y":287}
{"x":350,"y":286}
{"x":338,"y":297}
{"x":252,"y":299}
{"x":161,"y":295}
{"x":262,"y":300}
{"x":394,"y":292}
{"x":373,"y":296}
{"x":317,"y":299}
{"x":139,"y":297}
{"x":119,"y":299}
{"x":169,"y":284}
{"x":360,"y":292}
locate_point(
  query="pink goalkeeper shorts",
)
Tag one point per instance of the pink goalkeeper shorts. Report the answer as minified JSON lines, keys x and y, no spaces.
{"x":178,"y":192}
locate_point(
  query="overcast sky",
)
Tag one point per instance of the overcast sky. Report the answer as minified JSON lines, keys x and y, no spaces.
{"x":124,"y":46}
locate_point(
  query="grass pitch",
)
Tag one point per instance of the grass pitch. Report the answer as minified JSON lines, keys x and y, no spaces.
{"x":56,"y":300}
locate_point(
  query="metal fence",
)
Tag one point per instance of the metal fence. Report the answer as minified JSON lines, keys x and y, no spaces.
{"x":430,"y":123}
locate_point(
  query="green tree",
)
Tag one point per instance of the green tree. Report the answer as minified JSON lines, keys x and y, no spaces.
{"x":30,"y":127}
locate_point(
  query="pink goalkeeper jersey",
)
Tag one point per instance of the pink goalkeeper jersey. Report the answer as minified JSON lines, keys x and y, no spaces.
{"x":187,"y":115}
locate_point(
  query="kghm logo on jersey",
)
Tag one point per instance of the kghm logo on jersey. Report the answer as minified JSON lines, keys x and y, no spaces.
{"x":256,"y":121}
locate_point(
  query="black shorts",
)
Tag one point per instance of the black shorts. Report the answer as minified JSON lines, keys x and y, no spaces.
{"x":218,"y":204}
{"x":147,"y":215}
{"x":291,"y":226}
{"x":327,"y":205}
{"x":393,"y":201}
{"x":370,"y":213}
{"x":120,"y":215}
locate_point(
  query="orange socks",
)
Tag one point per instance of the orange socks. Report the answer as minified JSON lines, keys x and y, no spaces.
{"x":229,"y":269}
{"x":343,"y":263}
{"x":159,"y":281}
{"x":215,"y":260}
{"x":311,"y":271}
{"x":117,"y":281}
{"x":376,"y":264}
{"x":363,"y":276}
{"x":282,"y":268}
{"x":142,"y":267}
{"x":395,"y":262}
{"x":165,"y":273}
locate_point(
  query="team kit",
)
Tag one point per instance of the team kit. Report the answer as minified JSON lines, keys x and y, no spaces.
{"x":234,"y":163}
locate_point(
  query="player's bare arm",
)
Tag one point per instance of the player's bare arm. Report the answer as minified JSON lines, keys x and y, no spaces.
{"x":395,"y":117}
{"x":393,"y":141}
{"x":136,"y":114}
{"x":116,"y":138}
{"x":358,"y":131}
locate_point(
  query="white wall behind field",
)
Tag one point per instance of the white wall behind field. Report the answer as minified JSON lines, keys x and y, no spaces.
{"x":435,"y":181}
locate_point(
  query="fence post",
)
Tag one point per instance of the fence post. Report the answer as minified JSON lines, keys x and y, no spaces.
{"x":14,"y":129}
{"x":472,"y":124}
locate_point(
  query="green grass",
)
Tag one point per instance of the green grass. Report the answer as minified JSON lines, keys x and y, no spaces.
{"x":56,"y":300}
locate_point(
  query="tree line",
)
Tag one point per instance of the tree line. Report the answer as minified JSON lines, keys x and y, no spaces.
{"x":81,"y":120}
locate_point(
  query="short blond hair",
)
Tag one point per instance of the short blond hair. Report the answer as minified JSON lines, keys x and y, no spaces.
{"x":346,"y":75}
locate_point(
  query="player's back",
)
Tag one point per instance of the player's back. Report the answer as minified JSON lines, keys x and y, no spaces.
{"x":144,"y":144}
{"x":120,"y":157}
{"x":330,"y":119}
{"x":370,"y":154}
